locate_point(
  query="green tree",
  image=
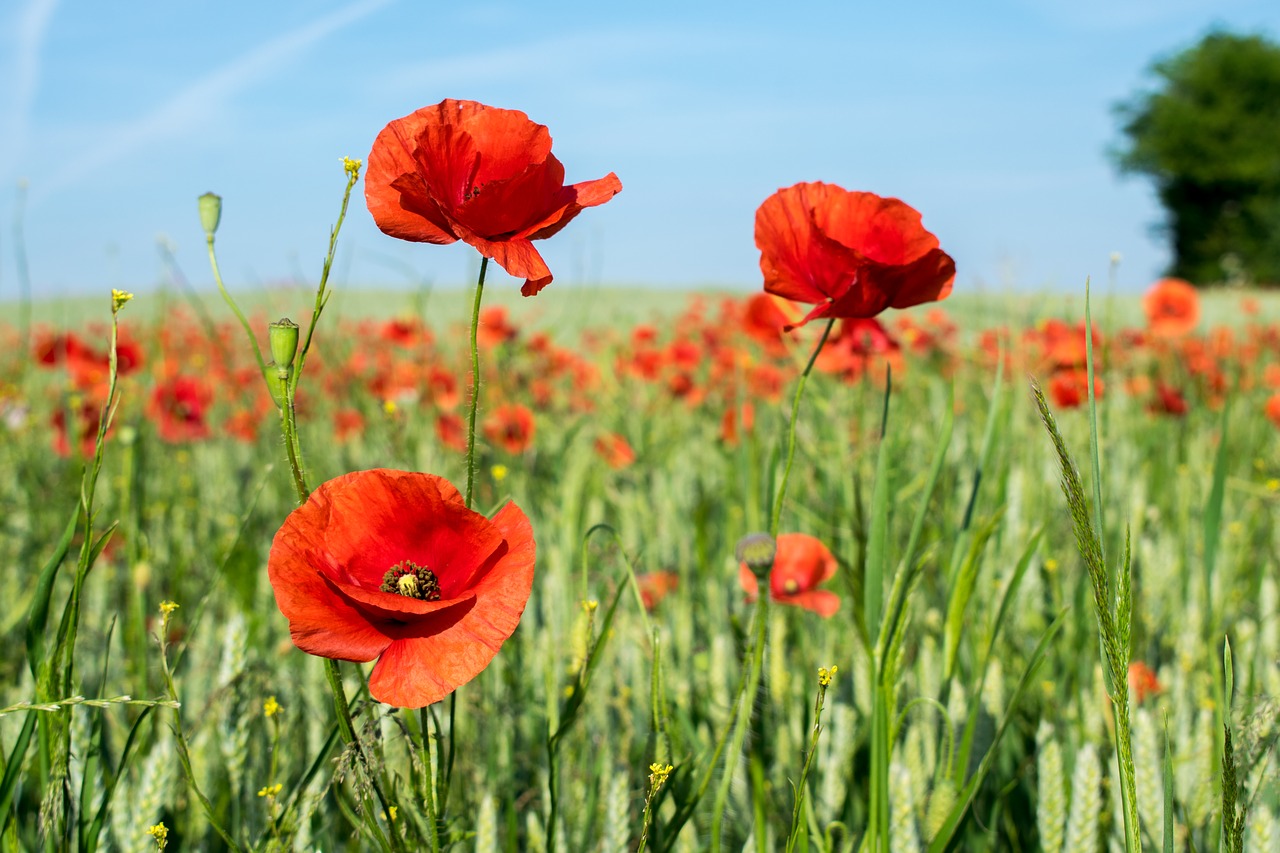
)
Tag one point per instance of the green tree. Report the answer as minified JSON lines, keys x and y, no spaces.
{"x":1209,"y":136}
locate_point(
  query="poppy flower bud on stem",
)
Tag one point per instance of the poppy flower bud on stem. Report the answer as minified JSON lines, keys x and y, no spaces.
{"x":283,"y":337}
{"x":757,"y":551}
{"x":277,"y":383}
{"x":210,"y":213}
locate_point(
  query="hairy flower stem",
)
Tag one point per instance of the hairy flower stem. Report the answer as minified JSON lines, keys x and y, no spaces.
{"x":791,"y":430}
{"x":824,"y":681}
{"x":475,"y":383}
{"x":742,"y":722}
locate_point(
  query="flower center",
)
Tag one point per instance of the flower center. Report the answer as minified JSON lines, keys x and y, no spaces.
{"x":411,"y":580}
{"x":791,"y":586}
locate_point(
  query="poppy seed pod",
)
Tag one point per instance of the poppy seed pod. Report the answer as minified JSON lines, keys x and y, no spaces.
{"x":276,"y":382}
{"x":210,"y":213}
{"x":283,"y":337}
{"x":757,"y":551}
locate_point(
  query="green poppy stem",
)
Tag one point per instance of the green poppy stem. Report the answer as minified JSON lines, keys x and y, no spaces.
{"x":791,"y":430}
{"x":475,"y":384}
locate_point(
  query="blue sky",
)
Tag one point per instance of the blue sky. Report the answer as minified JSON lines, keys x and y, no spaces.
{"x":991,"y":117}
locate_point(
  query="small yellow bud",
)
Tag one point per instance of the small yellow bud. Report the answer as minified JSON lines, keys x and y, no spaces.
{"x":271,"y":707}
{"x":391,"y":810}
{"x":352,"y":167}
{"x":210,"y":213}
{"x":1051,"y":565}
{"x":389,"y":406}
{"x":825,"y":675}
{"x":590,"y":605}
{"x":167,"y":608}
{"x":658,"y":774}
{"x":271,"y":790}
{"x":499,"y":473}
{"x":160,"y":833}
{"x":118,"y":299}
{"x":1273,"y":485}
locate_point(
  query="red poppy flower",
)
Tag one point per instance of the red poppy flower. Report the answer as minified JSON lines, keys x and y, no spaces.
{"x":50,"y":350}
{"x":1143,"y":681}
{"x":615,"y":450}
{"x":178,"y":408}
{"x":1168,"y":401}
{"x":511,"y":427}
{"x":800,"y":564}
{"x":392,"y":565}
{"x":1172,"y":306}
{"x":654,"y":587}
{"x":1069,"y":387}
{"x":347,"y":424}
{"x":1272,"y":409}
{"x":461,"y":170}
{"x":495,"y":329}
{"x":853,"y":254}
{"x":451,"y":431}
{"x":87,"y":417}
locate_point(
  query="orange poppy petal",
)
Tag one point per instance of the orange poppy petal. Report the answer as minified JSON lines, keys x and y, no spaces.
{"x":823,"y":602}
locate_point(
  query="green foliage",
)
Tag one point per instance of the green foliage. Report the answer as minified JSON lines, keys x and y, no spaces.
{"x":1208,"y":136}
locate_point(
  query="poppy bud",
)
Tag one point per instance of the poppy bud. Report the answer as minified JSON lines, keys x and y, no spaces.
{"x":283,"y":337}
{"x":210,"y":213}
{"x":757,"y":551}
{"x":277,"y":383}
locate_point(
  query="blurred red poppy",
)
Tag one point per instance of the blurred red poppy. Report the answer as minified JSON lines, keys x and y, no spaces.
{"x":800,"y":564}
{"x":853,"y":254}
{"x":54,"y":349}
{"x":392,"y":565}
{"x":1143,"y":681}
{"x":347,"y":424}
{"x":451,"y":431}
{"x":510,"y":427}
{"x":495,"y":328}
{"x":654,"y":587}
{"x":1172,"y":306}
{"x":179,"y":407}
{"x":461,"y":170}
{"x":1272,"y":409}
{"x":1069,"y":387}
{"x":615,"y":450}
{"x":87,"y":416}
{"x":1168,"y":401}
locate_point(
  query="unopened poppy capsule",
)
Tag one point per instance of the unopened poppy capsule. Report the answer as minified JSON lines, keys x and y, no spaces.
{"x":277,"y":381}
{"x":210,"y":213}
{"x":283,"y":337}
{"x":757,"y":551}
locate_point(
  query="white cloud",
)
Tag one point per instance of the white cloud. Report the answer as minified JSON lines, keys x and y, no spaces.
{"x":562,"y":58}
{"x":190,"y":109}
{"x":30,"y":33}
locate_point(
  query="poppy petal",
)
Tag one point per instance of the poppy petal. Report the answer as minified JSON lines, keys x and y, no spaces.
{"x":821,"y":601}
{"x":391,"y":180}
